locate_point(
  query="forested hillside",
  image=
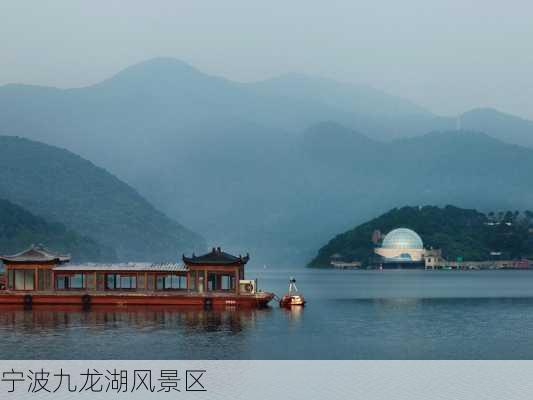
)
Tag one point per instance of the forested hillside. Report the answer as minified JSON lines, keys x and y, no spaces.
{"x":20,"y":228}
{"x":63,"y":187}
{"x":458,"y":232}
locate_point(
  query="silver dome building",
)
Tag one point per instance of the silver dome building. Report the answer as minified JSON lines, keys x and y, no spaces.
{"x":402,"y":238}
{"x":401,"y":245}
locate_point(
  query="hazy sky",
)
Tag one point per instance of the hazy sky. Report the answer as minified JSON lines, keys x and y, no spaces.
{"x":447,"y":55}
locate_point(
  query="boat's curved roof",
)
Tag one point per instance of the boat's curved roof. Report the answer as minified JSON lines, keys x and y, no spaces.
{"x":216,"y":257}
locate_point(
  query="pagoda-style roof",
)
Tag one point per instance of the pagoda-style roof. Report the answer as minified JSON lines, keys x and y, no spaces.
{"x":36,"y":254}
{"x":216,"y":257}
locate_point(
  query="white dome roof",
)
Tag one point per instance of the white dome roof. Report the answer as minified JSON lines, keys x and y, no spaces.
{"x":402,"y":238}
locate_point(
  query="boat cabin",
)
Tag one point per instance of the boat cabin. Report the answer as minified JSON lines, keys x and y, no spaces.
{"x":38,"y":269}
{"x":32,"y":269}
{"x":216,"y":270}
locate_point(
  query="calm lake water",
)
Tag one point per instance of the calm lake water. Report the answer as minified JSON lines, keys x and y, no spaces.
{"x":350,"y":315}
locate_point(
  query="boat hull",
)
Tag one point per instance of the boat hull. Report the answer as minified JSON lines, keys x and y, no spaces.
{"x":258,"y":300}
{"x":289,"y":301}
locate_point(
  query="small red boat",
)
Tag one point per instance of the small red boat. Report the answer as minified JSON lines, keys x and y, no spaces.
{"x":293,"y":297}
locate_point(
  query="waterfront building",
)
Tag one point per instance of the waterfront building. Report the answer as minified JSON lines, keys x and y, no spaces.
{"x":433,"y":258}
{"x":338,"y":261}
{"x":401,"y":248}
{"x":404,"y":248}
{"x":346,"y":264}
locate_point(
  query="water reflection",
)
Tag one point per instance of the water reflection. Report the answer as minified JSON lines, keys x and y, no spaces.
{"x":350,"y":316}
{"x":294,"y":314}
{"x":187,"y":320}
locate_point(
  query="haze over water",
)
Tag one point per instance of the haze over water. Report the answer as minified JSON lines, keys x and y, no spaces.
{"x":447,"y":55}
{"x":350,"y":315}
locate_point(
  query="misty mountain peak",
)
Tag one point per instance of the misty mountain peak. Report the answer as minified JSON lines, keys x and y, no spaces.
{"x":492,"y":114}
{"x":160,"y":70}
{"x":506,"y":127}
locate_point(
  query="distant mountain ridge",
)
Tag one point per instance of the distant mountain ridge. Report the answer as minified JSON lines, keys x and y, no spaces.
{"x":351,"y":98}
{"x":19,"y":229}
{"x":254,"y":165}
{"x":506,"y":127}
{"x":62,"y":187}
{"x":172,"y":91}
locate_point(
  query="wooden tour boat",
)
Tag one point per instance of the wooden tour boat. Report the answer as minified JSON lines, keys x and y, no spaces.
{"x":293,"y":297}
{"x":38,"y":276}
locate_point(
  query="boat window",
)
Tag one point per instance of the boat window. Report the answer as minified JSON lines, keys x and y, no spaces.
{"x":225,"y":282}
{"x":76,"y":281}
{"x":192,"y":280}
{"x":211,"y":281}
{"x":40,"y":279}
{"x":141,"y":282}
{"x":128,"y":282}
{"x":150,"y":282}
{"x":45,"y":279}
{"x":61,"y":282}
{"x":160,"y":282}
{"x":24,"y":279}
{"x":11,"y":279}
{"x":110,"y":281}
{"x":220,"y":281}
{"x":90,"y":281}
{"x":70,"y":281}
{"x":166,"y":282}
{"x":100,"y":281}
{"x":116,"y":281}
